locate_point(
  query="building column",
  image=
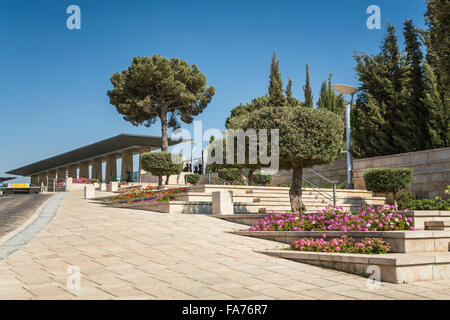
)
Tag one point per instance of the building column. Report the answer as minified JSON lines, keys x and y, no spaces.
{"x":97,"y":169}
{"x":126,"y":172}
{"x":141,"y":151}
{"x":72,"y":172}
{"x":34,"y":180}
{"x":43,"y":179}
{"x":61,"y":174}
{"x":84,"y":170}
{"x":51,"y":175}
{"x":111,"y":169}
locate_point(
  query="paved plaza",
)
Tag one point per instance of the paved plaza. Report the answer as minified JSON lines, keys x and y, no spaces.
{"x":137,"y":254}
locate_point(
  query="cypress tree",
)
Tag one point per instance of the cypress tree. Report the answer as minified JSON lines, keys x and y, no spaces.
{"x":276,"y":96}
{"x":307,"y":90}
{"x":329,"y":100}
{"x":437,"y":124}
{"x":414,"y":59}
{"x":436,"y":38}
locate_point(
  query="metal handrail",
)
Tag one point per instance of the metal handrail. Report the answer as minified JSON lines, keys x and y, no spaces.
{"x":327,"y":180}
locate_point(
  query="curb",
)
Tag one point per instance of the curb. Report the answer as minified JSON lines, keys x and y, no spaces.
{"x":26,"y":232}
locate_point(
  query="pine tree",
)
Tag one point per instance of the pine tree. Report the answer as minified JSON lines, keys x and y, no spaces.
{"x":307,"y":90}
{"x":276,"y":96}
{"x":289,"y":89}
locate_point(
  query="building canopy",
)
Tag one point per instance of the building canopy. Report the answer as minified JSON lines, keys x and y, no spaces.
{"x":114,"y":146}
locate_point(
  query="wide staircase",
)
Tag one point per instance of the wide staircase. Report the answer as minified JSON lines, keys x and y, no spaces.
{"x":261,"y":199}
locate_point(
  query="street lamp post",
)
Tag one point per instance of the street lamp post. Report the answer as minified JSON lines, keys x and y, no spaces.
{"x":346,"y":89}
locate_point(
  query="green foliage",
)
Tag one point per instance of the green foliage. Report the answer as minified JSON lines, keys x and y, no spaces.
{"x":262,"y":179}
{"x":156,"y":87}
{"x":307,"y":137}
{"x":229,"y":174}
{"x":160,"y":164}
{"x":437,"y":203}
{"x":382,"y":120}
{"x":384,"y":180}
{"x":95,"y":181}
{"x":437,"y":19}
{"x":276,"y":96}
{"x":402,"y":106}
{"x":307,"y":90}
{"x":329,"y":100}
{"x":193,"y":178}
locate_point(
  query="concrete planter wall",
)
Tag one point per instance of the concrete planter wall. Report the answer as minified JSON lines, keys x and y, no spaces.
{"x":400,"y":241}
{"x":394,"y":268}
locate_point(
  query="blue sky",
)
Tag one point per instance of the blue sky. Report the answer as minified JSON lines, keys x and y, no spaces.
{"x":53,"y":80}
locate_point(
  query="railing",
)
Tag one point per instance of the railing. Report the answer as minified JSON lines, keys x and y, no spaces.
{"x":317,"y":188}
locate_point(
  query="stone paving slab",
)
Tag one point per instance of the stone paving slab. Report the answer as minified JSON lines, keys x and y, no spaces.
{"x":135,"y":254}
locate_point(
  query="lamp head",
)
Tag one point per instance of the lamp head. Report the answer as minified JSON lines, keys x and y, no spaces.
{"x":346,"y":89}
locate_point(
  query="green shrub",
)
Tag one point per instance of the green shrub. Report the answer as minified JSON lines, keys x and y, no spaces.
{"x":96,"y":181}
{"x":239,"y":183}
{"x":425,"y":204}
{"x":262,"y":179}
{"x":160,"y":164}
{"x":385,"y":180}
{"x":193,"y":178}
{"x":229,"y":174}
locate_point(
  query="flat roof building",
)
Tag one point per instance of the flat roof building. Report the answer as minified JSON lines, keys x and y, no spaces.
{"x":76,"y":163}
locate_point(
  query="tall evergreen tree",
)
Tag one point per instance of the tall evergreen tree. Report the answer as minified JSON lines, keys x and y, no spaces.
{"x":437,"y":124}
{"x":328,"y":98}
{"x":436,"y":38}
{"x":276,"y":95}
{"x":414,"y":59}
{"x":383,"y":122}
{"x":307,"y":90}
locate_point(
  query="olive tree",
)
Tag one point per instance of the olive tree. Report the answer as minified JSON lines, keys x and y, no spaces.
{"x":157,"y":87}
{"x":307,"y":137}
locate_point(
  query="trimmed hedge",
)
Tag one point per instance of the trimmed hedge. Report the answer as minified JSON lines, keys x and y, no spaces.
{"x":229,"y":174}
{"x":160,"y":164}
{"x":385,"y":180}
{"x":262,"y":179}
{"x":193,"y":178}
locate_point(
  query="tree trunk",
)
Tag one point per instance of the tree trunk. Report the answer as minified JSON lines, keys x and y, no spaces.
{"x":295,"y":192}
{"x":160,"y":181}
{"x":250,"y":177}
{"x":242,"y":176}
{"x":167,"y":179}
{"x":164,"y":136}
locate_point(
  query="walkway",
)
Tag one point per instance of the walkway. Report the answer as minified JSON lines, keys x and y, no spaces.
{"x":135,"y":254}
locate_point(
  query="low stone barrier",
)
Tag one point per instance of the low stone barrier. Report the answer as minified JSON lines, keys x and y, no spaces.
{"x":394,"y":268}
{"x":421,"y":216}
{"x":248,"y":219}
{"x":400,"y":241}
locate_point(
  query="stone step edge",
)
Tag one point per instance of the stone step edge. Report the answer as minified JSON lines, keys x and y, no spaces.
{"x":389,"y":259}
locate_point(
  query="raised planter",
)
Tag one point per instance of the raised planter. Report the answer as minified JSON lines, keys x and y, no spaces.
{"x":394,"y":268}
{"x":248,"y":219}
{"x":421,"y":216}
{"x":400,"y":241}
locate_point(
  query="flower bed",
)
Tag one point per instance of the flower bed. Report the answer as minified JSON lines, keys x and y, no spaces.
{"x":380,"y":218}
{"x":343,"y":244}
{"x":147,"y":195}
